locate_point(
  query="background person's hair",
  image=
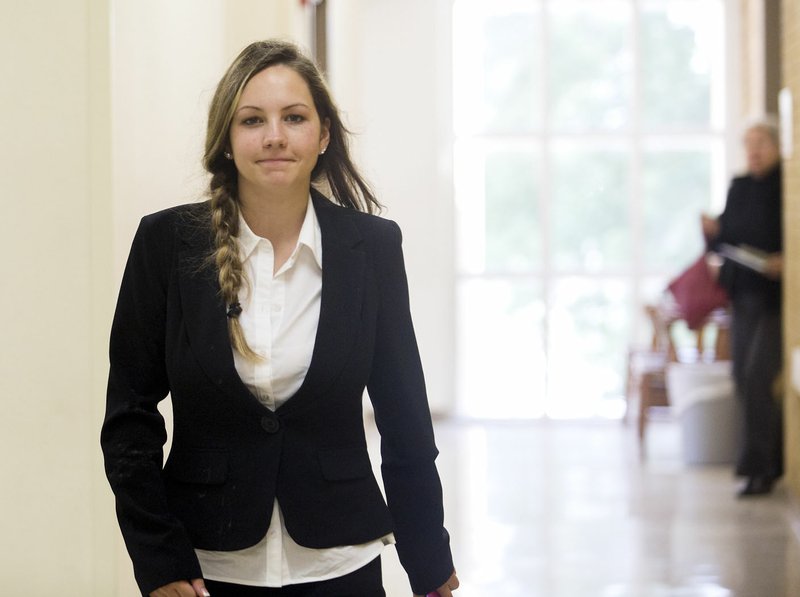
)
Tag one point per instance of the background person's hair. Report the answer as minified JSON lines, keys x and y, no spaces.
{"x":335,"y":167}
{"x":767,"y":123}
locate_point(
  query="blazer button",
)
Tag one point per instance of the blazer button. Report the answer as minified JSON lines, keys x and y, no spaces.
{"x":270,"y":424}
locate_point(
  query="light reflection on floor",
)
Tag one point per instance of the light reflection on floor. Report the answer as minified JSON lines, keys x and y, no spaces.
{"x":566,"y":509}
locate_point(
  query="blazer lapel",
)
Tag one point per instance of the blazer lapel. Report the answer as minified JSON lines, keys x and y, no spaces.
{"x":342,"y":294}
{"x":205,"y":315}
{"x":340,"y":311}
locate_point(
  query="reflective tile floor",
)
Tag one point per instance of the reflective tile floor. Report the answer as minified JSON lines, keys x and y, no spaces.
{"x":568,"y":509}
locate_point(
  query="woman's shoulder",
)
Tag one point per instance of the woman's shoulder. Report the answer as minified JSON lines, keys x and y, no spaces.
{"x":188,"y":220}
{"x":372,"y":226}
{"x":178,"y":214}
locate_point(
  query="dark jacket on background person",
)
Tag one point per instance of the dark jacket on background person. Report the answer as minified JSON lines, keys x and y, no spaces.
{"x":230,"y":456}
{"x":752,"y":217}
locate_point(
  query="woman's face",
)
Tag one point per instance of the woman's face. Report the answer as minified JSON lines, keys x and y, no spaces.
{"x":276,"y":134}
{"x":763,"y":153}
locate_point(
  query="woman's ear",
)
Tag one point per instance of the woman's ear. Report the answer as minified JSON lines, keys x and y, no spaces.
{"x":325,"y":134}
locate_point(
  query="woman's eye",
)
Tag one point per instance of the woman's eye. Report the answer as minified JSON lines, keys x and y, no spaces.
{"x":294,"y":118}
{"x":251,"y":120}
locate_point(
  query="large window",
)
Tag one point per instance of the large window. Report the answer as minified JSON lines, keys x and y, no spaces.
{"x":589,"y":136}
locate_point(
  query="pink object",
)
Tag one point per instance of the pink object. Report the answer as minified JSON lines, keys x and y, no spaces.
{"x":434,"y":594}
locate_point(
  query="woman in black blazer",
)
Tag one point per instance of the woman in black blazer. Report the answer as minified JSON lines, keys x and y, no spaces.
{"x":259,"y":487}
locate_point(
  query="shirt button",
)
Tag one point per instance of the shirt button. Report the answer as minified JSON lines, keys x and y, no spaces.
{"x":270,"y":424}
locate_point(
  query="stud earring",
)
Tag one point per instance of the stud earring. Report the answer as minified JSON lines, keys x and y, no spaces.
{"x":228,"y":155}
{"x":323,"y":151}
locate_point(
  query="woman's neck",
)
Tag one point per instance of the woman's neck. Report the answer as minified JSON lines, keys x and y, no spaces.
{"x":278,"y":218}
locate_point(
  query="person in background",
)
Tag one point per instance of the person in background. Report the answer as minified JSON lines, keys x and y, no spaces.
{"x":752,"y":218}
{"x":265,"y":312}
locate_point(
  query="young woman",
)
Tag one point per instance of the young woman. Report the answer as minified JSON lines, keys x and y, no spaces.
{"x":265,"y":312}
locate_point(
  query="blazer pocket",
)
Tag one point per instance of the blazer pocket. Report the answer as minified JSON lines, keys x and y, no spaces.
{"x":344,"y":464}
{"x":203,"y":467}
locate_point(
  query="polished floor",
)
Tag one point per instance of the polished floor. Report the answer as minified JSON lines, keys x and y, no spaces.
{"x":568,"y":509}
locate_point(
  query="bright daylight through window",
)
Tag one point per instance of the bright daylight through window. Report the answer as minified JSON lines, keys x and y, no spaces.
{"x":589,"y":136}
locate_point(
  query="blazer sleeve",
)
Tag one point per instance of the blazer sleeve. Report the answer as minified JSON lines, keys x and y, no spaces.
{"x":133,"y":432}
{"x":408,"y":451}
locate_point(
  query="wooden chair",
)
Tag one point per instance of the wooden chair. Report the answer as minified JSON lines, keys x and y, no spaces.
{"x":652,"y":383}
{"x":648,"y":380}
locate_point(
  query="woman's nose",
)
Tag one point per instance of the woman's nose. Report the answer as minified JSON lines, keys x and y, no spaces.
{"x":274,"y":135}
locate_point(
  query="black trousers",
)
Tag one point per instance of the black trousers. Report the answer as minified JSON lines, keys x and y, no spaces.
{"x":757,"y":349}
{"x":364,"y":582}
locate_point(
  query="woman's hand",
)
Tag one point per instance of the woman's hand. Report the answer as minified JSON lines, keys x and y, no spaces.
{"x":446,"y":590}
{"x":182,"y":588}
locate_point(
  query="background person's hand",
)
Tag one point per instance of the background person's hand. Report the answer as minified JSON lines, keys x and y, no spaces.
{"x":773,"y":267}
{"x":714,"y":263}
{"x":710,"y":226}
{"x":182,"y":588}
{"x":446,"y":590}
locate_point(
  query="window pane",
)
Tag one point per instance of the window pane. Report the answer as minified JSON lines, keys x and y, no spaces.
{"x":500,"y":348}
{"x":652,"y":291}
{"x":590,"y":135}
{"x":682,"y":54}
{"x":677,"y":189}
{"x":588,"y":329}
{"x":513,"y":240}
{"x":590,"y":216}
{"x":511,"y":73}
{"x":590,"y":64}
{"x":497,"y":201}
{"x":496,"y":66}
{"x":469,"y":163}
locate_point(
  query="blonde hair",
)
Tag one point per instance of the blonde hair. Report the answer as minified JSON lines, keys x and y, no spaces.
{"x":347,"y":186}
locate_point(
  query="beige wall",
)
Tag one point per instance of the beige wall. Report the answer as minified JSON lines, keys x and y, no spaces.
{"x":770,"y":20}
{"x":56,"y":522}
{"x":791,"y":80}
{"x":751,"y":55}
{"x":760,"y":56}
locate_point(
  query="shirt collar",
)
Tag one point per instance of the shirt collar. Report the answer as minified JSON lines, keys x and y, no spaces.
{"x":310,"y":236}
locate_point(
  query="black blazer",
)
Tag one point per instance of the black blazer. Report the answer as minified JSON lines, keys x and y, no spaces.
{"x":231,"y":456}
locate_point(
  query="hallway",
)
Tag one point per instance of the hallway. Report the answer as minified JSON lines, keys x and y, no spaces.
{"x":566,"y":509}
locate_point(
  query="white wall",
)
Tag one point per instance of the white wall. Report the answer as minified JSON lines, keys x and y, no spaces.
{"x":389,"y":70}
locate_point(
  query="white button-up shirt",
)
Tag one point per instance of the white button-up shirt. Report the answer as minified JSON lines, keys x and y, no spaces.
{"x":280,"y":315}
